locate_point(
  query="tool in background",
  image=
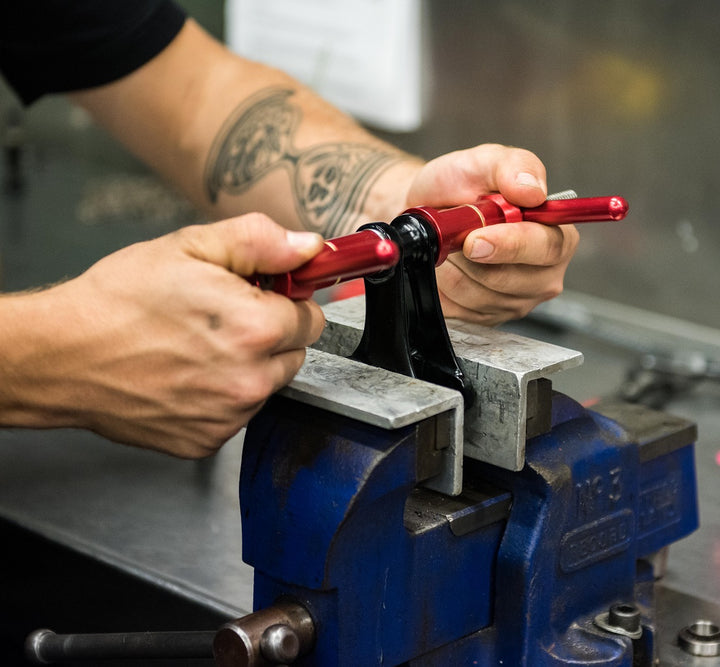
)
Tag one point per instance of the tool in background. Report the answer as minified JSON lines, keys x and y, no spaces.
{"x":372,"y":250}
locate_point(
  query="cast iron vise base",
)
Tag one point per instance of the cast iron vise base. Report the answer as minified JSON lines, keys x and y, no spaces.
{"x":550,"y":564}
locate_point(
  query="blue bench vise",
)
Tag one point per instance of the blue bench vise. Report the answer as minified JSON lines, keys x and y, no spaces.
{"x":420,"y":497}
{"x":401,"y":527}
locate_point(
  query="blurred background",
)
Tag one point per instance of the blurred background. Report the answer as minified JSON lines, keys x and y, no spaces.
{"x":615,"y":97}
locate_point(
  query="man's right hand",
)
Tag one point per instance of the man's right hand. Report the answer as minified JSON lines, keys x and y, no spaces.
{"x":162,"y":344}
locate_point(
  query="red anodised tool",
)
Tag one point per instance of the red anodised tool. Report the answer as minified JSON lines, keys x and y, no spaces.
{"x":342,"y":258}
{"x":366,"y":252}
{"x":452,"y":225}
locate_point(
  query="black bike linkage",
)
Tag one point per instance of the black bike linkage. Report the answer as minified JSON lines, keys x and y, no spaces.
{"x":405,"y":329}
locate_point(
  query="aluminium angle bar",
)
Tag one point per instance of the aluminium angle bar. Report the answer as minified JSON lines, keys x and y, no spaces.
{"x":499,"y":364}
{"x":386,"y":399}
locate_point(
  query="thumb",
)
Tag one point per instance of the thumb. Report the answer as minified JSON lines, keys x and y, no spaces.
{"x":462,"y":176}
{"x":250,"y":244}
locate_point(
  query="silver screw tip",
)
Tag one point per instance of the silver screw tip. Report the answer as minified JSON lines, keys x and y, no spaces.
{"x":280,"y":644}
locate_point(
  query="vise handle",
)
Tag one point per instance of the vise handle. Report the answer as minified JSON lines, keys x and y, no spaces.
{"x":366,"y":252}
{"x":276,"y":635}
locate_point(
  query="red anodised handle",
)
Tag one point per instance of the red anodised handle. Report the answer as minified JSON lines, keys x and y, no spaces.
{"x":342,"y":258}
{"x":452,"y":225}
{"x":366,"y":252}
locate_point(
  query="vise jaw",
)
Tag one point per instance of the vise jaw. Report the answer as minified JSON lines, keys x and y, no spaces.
{"x":507,"y":372}
{"x":416,"y":533}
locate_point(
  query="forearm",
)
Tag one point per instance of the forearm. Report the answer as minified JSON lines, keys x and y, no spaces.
{"x":237,"y":136}
{"x":36,"y":390}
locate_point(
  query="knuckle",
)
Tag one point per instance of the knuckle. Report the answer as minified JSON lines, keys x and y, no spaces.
{"x":210,"y":446}
{"x":523,"y":310}
{"x":556,"y":252}
{"x":249,"y":226}
{"x":186,"y":237}
{"x":549,"y":286}
{"x":553,"y":289}
{"x":493,"y":148}
{"x":219,"y":433}
{"x":567,"y":240}
{"x":294,"y":361}
{"x":201,"y":446}
{"x":254,"y":388}
{"x":262,"y":333}
{"x":559,"y":245}
{"x":312,"y":320}
{"x":253,"y":227}
{"x":188,"y":232}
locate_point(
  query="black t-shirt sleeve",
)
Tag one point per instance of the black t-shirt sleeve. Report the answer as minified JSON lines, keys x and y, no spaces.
{"x":54,"y":46}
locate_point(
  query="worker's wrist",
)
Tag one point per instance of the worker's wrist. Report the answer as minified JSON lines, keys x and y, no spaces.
{"x":387,"y":197}
{"x":34,"y":390}
{"x":393,"y":186}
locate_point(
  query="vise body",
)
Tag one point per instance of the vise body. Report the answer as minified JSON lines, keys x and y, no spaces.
{"x":415,"y":532}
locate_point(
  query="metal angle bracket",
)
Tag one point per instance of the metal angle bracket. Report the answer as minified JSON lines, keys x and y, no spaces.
{"x":501,"y":366}
{"x":389,"y":400}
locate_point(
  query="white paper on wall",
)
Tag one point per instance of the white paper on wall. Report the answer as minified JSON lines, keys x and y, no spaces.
{"x":364,"y":56}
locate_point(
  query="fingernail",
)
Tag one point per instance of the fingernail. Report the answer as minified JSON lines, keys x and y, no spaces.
{"x":529,"y":180}
{"x":302,"y":240}
{"x":480,"y":249}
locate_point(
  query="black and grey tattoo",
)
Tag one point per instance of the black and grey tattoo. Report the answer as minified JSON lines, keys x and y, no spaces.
{"x":330,"y":182}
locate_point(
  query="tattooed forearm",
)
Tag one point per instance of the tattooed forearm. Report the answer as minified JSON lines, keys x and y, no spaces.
{"x":254,"y":139}
{"x":330,"y":182}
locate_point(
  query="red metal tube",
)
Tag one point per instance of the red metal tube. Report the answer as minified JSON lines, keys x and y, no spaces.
{"x":585,"y":209}
{"x":366,"y":252}
{"x":342,"y":258}
{"x":452,"y":225}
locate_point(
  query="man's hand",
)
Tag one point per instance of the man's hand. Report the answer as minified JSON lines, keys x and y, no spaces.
{"x":164,"y":345}
{"x":504,"y":270}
